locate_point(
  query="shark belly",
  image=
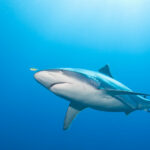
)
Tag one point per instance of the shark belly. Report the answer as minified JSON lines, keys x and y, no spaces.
{"x":105,"y":102}
{"x":88,"y":96}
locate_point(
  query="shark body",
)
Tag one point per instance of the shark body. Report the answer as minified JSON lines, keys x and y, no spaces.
{"x":97,"y":90}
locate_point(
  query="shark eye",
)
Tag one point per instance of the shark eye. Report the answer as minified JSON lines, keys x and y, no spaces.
{"x":61,"y":71}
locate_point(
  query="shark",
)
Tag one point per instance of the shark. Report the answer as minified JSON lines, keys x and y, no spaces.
{"x":91,"y":89}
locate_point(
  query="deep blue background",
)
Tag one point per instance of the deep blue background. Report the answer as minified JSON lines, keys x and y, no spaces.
{"x":66,"y":33}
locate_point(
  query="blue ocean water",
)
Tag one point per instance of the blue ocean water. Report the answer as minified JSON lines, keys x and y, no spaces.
{"x":81,"y":34}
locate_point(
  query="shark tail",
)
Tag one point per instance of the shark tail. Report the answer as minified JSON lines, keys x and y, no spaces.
{"x":145,"y":104}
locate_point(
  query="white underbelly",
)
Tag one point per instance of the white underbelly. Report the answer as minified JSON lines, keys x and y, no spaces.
{"x":106,"y":103}
{"x":89,"y":96}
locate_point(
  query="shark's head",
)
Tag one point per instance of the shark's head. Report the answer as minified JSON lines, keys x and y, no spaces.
{"x":49,"y":78}
{"x":65,"y":83}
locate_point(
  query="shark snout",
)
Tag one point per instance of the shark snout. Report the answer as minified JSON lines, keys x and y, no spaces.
{"x":44,"y":78}
{"x":39,"y":75}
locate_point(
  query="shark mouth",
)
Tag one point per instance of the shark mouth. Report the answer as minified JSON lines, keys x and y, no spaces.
{"x":56,"y":84}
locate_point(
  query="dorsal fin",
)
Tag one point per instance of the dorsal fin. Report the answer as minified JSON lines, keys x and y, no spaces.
{"x":105,"y":70}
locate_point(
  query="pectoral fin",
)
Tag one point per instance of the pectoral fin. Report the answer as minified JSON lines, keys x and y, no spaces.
{"x":73,"y":110}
